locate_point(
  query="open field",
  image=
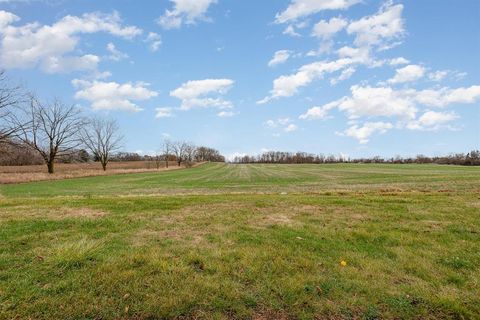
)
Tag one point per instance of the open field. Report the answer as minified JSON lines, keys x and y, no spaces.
{"x":18,"y":174}
{"x":226,"y":241}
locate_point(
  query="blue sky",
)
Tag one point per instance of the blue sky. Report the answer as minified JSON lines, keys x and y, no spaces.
{"x":354,"y":77}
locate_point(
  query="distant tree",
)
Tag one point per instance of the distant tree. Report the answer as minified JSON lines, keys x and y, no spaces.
{"x":190,"y":152}
{"x":15,"y":154}
{"x":83,"y":155}
{"x":51,"y":129}
{"x":208,"y":154}
{"x":167,"y":148}
{"x":179,"y":149}
{"x":102,"y":138}
{"x":126,"y":156}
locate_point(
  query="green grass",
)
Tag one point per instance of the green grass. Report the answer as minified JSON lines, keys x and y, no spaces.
{"x":245,"y":241}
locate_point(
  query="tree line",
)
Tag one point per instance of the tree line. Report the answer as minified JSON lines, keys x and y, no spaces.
{"x":470,"y":159}
{"x":34,"y":131}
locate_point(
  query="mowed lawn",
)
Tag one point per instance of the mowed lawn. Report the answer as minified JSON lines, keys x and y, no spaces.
{"x":224,"y":241}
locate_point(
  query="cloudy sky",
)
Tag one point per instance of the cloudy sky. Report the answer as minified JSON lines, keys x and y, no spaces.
{"x":357,"y":77}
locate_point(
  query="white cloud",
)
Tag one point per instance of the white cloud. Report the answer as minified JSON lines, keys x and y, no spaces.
{"x":438,"y":75}
{"x":326,"y":29}
{"x":409,"y":73}
{"x":402,"y":105}
{"x":7,"y":18}
{"x":381,"y":101}
{"x":197,"y":93}
{"x":286,"y":86}
{"x":163,"y":112}
{"x":279,"y":57}
{"x":398,"y":61}
{"x":284,"y":123}
{"x":363,"y":133}
{"x":302,"y":8}
{"x":386,"y":25}
{"x":325,"y":47}
{"x":358,"y":55}
{"x":51,"y":47}
{"x":346,"y":74}
{"x":112,"y":95}
{"x":290,"y":31}
{"x":55,"y":64}
{"x":319,"y":112}
{"x":445,"y":96}
{"x":432,"y":120}
{"x":185,"y":12}
{"x":154,"y":40}
{"x":278,"y":122}
{"x":115,"y":54}
{"x":290,"y":128}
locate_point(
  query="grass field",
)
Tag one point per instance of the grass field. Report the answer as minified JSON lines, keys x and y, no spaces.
{"x":224,"y":241}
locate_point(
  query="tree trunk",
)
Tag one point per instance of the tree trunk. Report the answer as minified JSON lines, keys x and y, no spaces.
{"x":50,"y":166}
{"x":179,"y":163}
{"x":166,"y":163}
{"x":104,"y":166}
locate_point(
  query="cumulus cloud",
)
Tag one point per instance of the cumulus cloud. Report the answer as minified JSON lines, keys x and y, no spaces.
{"x":409,"y":73}
{"x":290,"y":31}
{"x":185,"y":12}
{"x":287,"y":86}
{"x":112,"y":95}
{"x":398,"y":61}
{"x":346,"y":74}
{"x":363,"y":133}
{"x":445,"y":96}
{"x":401,"y":105}
{"x":163,"y":112}
{"x":115,"y":54}
{"x":319,"y":112}
{"x":154,"y":40}
{"x":279,"y":57}
{"x":51,"y":47}
{"x":378,"y":29}
{"x":278,"y":122}
{"x":285,"y":124}
{"x":290,"y":128}
{"x":302,"y":8}
{"x":432,"y":120}
{"x":438,"y":75}
{"x":326,"y":29}
{"x":7,"y":18}
{"x":198,"y":93}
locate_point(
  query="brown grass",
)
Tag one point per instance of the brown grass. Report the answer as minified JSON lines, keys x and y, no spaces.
{"x":26,"y":212}
{"x":19,"y":174}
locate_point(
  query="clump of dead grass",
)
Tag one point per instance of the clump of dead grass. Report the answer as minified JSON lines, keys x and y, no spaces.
{"x":22,"y":212}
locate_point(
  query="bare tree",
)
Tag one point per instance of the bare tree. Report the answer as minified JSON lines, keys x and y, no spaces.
{"x":179,"y":148}
{"x":167,"y":148}
{"x":190,"y":152}
{"x":51,"y":129}
{"x":11,"y":96}
{"x":102,"y":138}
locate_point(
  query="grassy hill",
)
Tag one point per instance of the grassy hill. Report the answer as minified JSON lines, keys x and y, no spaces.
{"x":226,"y":241}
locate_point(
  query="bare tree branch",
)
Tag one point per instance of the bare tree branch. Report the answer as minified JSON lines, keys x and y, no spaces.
{"x":11,"y":97}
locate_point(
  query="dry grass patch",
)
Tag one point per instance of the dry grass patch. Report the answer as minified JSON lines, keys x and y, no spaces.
{"x":29,"y":212}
